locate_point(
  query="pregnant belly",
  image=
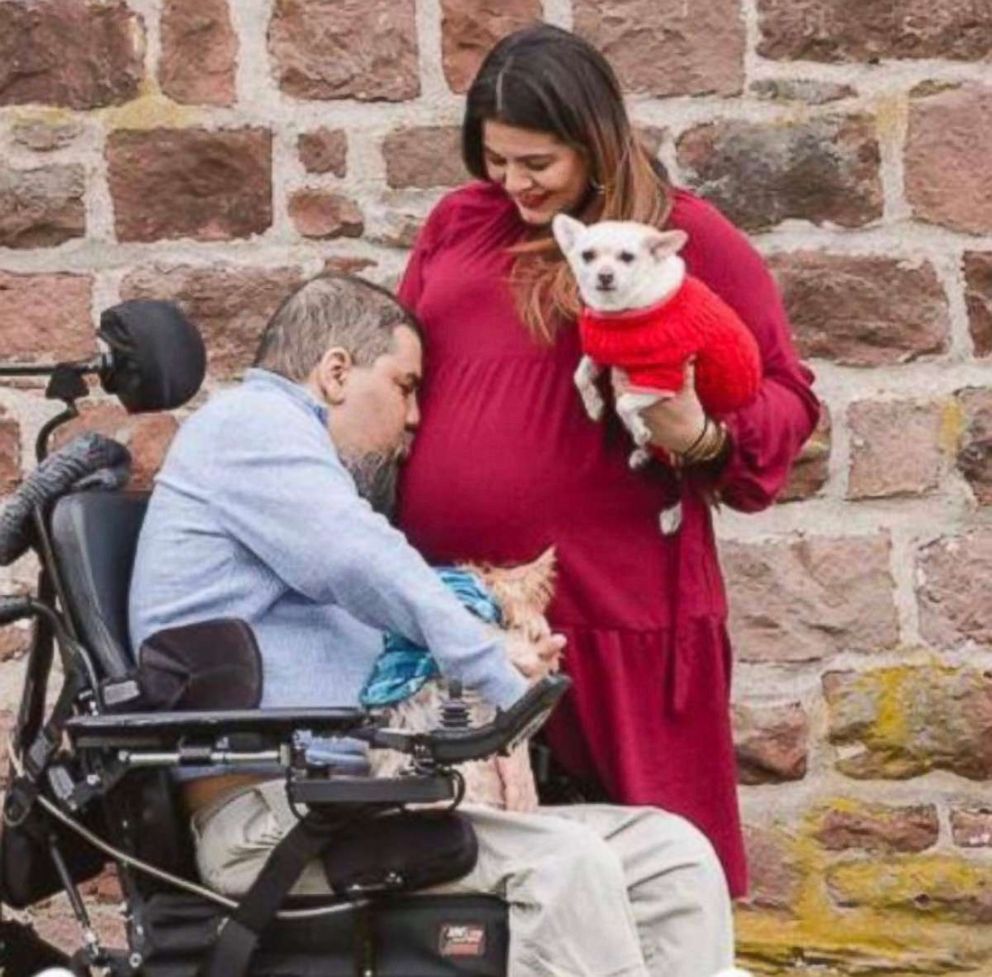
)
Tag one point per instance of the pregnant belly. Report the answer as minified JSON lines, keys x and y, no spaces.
{"x":503,"y":485}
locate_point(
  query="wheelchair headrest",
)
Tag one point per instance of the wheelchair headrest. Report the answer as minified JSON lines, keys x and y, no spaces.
{"x":94,"y":536}
{"x":157,"y":358}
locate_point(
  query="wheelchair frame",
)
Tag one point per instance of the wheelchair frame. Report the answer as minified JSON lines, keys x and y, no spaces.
{"x":72,"y":759}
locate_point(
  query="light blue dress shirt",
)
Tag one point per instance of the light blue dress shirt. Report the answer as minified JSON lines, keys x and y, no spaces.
{"x":254,"y":516}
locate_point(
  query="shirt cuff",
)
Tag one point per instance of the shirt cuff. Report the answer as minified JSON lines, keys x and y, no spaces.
{"x":503,"y":687}
{"x":500,"y":686}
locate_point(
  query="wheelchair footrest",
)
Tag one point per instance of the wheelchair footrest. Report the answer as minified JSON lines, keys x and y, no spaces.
{"x":403,"y":936}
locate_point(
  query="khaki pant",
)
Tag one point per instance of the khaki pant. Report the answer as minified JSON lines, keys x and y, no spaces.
{"x":594,"y":890}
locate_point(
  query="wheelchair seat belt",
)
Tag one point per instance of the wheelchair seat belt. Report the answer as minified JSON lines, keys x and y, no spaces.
{"x":239,"y":936}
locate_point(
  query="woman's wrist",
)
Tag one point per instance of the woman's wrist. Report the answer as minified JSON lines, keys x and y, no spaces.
{"x":708,"y":446}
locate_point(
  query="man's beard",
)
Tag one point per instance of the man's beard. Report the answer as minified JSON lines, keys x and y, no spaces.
{"x":376,"y":474}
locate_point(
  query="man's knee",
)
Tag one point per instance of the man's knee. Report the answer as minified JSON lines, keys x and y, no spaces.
{"x":697,"y":847}
{"x":681,"y":897}
{"x":580,"y":856}
{"x":683,"y":849}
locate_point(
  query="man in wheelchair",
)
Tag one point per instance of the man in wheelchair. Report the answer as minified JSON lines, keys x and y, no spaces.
{"x":265,"y":575}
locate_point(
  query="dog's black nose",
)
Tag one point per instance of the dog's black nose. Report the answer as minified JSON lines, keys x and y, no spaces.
{"x":605,"y":278}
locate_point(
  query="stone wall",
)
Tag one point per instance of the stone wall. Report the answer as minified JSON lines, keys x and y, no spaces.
{"x":217,"y":152}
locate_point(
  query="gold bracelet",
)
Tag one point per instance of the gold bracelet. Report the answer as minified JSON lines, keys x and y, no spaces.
{"x":690,"y":452}
{"x":698,"y":447}
{"x":716,"y":445}
{"x":707,"y":446}
{"x":686,"y":457}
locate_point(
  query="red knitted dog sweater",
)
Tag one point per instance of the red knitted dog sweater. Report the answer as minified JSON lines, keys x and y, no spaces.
{"x":653,"y":344}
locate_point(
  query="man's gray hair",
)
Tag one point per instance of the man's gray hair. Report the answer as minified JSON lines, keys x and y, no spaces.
{"x":327,"y":311}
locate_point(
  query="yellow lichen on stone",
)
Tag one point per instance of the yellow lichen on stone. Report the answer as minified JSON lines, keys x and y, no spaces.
{"x":890,"y":726}
{"x":49,"y":115}
{"x":151,"y":110}
{"x":953,"y":423}
{"x":891,"y":112}
{"x":874,"y":939}
{"x":936,"y":886}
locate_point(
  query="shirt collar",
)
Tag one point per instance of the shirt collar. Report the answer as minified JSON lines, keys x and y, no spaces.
{"x":256,"y":376}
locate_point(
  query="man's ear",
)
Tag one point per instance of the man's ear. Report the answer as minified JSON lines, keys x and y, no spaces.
{"x":331,"y":374}
{"x":566,"y":231}
{"x":663,"y":244}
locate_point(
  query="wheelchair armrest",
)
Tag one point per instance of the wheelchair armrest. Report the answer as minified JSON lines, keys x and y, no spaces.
{"x":165,"y":729}
{"x":510,"y":728}
{"x":275,"y":728}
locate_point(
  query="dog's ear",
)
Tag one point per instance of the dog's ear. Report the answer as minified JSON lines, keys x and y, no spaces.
{"x":663,"y":244}
{"x":522,"y":591}
{"x":537,"y":580}
{"x":566,"y":231}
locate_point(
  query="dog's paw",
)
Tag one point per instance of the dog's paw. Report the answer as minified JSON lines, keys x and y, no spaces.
{"x":640,"y":432}
{"x":594,"y":404}
{"x":585,"y":376}
{"x":639,"y":458}
{"x":670,"y":519}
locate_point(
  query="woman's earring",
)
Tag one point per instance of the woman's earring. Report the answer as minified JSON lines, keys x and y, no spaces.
{"x":597,"y":187}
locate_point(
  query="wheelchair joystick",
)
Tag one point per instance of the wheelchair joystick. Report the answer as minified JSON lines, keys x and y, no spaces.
{"x":455,"y":711}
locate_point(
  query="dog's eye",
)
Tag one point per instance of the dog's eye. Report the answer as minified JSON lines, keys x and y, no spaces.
{"x":588,"y":255}
{"x":626,"y":257}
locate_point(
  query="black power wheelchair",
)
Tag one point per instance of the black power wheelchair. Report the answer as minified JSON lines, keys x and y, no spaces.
{"x":92,"y":779}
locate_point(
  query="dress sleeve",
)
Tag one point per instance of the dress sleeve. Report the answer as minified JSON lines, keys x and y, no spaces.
{"x":768,"y":434}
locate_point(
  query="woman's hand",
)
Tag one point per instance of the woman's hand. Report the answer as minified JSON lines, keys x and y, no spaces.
{"x":675,"y":421}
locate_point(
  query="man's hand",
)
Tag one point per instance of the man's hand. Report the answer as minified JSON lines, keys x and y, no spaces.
{"x":534,"y":658}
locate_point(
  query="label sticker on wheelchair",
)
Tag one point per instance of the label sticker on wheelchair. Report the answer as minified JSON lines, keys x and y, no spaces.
{"x":462,"y":940}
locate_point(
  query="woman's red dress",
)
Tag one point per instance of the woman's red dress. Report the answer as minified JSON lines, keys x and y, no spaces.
{"x":506,"y":463}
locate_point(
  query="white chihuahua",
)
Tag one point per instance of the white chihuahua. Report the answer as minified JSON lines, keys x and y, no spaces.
{"x":619,"y":266}
{"x":644,"y":314}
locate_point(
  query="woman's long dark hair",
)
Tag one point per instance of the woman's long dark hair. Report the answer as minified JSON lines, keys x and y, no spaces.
{"x":545,"y":79}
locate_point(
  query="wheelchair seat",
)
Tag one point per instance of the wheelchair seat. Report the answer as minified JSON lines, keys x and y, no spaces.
{"x":93,"y":539}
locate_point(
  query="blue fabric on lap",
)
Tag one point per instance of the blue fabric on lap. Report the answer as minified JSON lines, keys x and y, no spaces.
{"x":404,"y":668}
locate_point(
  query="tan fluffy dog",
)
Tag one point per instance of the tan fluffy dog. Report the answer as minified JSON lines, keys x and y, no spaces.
{"x":523,"y":594}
